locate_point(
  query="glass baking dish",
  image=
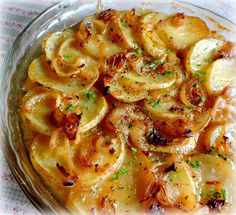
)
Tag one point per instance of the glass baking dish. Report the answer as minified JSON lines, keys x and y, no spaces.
{"x":27,"y":47}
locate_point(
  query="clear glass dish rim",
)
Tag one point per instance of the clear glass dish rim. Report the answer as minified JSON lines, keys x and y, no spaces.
{"x":6,"y":148}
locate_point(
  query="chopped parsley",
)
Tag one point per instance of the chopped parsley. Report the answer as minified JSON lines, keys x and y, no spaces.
{"x":134,"y":150}
{"x":156,"y":103}
{"x":66,"y":57}
{"x":200,"y":74}
{"x":224,"y":193}
{"x":70,"y":107}
{"x":168,"y":72}
{"x":119,"y":173}
{"x":198,"y":84}
{"x":138,"y":51}
{"x":214,"y":51}
{"x":195,"y":164}
{"x":167,"y":51}
{"x":91,"y":95}
{"x":202,"y":99}
{"x":199,"y":65}
{"x":208,"y":60}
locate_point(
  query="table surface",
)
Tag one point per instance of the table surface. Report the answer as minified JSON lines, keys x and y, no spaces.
{"x":14,"y":16}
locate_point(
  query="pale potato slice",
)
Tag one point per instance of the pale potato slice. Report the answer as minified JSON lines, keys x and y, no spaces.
{"x":180,"y":187}
{"x":149,"y":37}
{"x":40,"y":71}
{"x":211,"y":173}
{"x":52,"y":42}
{"x":147,"y":82}
{"x":37,"y":107}
{"x":180,"y":31}
{"x":160,"y":109}
{"x":93,"y":39}
{"x":126,"y":93}
{"x":220,"y":74}
{"x":93,"y":160}
{"x":45,"y":159}
{"x":202,"y":53}
{"x":70,"y":51}
{"x":222,"y":138}
{"x":94,"y":108}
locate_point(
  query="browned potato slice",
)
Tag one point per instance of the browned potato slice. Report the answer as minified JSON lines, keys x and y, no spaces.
{"x":180,"y":31}
{"x":220,"y":74}
{"x":93,"y":40}
{"x":40,"y":71}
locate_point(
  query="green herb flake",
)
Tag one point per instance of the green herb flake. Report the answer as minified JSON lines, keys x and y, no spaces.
{"x":127,"y":65}
{"x":70,"y":107}
{"x":119,"y":173}
{"x":199,"y":65}
{"x":156,"y":103}
{"x":203,"y":99}
{"x":134,"y":150}
{"x":198,"y":84}
{"x":66,"y":57}
{"x":138,"y":51}
{"x":214,"y":51}
{"x":200,"y":74}
{"x":91,"y":95}
{"x":208,"y":60}
{"x":167,"y":51}
{"x":168,"y":72}
{"x":195,"y":164}
{"x":224,"y":193}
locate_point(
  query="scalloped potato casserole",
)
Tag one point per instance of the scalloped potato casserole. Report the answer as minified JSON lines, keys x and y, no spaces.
{"x":134,"y":112}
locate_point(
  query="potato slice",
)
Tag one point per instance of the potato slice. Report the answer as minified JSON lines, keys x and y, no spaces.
{"x":94,"y":108}
{"x":39,"y":71}
{"x":120,"y":30}
{"x":180,"y":188}
{"x":93,"y":39}
{"x":179,"y":145}
{"x":45,"y":158}
{"x":211,"y":171}
{"x":202,"y":54}
{"x":149,"y":37}
{"x":70,"y":51}
{"x":93,"y":160}
{"x":180,"y":31}
{"x":53,"y":41}
{"x":147,"y":82}
{"x":220,"y":74}
{"x":222,"y":138}
{"x":126,"y":93}
{"x":37,"y":107}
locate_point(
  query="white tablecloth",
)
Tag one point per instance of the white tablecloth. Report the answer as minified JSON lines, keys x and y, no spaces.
{"x":14,"y":15}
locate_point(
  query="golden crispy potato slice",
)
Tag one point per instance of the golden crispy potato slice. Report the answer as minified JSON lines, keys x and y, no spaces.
{"x":180,"y":31}
{"x":37,"y":107}
{"x":93,"y":160}
{"x":40,"y":71}
{"x":149,"y":37}
{"x":93,"y":40}
{"x":180,"y":188}
{"x":215,"y":178}
{"x":94,"y":108}
{"x":202,"y":53}
{"x":220,"y":74}
{"x":52,"y":42}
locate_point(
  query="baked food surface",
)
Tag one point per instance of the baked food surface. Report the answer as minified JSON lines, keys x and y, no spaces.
{"x":134,"y":112}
